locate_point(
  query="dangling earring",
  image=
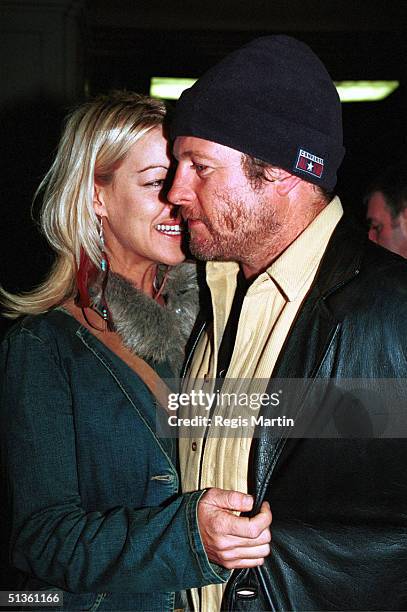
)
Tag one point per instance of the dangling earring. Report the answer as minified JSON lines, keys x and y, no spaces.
{"x":104,"y":266}
{"x":103,"y":263}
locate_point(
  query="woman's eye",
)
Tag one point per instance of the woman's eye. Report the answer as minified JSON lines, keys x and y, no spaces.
{"x":157,"y":184}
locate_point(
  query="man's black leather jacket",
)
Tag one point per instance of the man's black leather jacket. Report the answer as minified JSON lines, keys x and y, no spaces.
{"x":339,"y":503}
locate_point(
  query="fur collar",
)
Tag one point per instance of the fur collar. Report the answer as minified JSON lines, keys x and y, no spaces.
{"x":151,"y":331}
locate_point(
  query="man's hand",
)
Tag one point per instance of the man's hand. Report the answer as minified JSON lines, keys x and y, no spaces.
{"x":230,"y":540}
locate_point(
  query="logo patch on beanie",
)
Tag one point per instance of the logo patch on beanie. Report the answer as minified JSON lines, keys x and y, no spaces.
{"x":309,"y":163}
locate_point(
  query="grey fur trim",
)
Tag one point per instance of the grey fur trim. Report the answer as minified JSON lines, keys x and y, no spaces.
{"x":149,"y":330}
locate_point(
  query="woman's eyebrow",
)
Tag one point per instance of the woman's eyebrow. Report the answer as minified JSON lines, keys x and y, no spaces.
{"x":153,"y":166}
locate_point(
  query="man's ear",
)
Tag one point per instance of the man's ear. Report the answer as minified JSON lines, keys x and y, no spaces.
{"x":403,"y":221}
{"x":284,"y":181}
{"x":99,"y":201}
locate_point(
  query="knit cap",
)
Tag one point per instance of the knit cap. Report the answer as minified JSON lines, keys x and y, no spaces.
{"x":272,"y":99}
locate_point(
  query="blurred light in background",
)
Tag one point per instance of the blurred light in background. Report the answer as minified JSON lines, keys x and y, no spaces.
{"x":170,"y":88}
{"x":365,"y":91}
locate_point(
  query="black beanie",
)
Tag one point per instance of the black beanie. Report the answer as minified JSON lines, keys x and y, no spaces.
{"x":272,"y":99}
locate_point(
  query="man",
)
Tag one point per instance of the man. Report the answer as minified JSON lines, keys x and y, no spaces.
{"x":387,"y":209}
{"x":296,"y":293}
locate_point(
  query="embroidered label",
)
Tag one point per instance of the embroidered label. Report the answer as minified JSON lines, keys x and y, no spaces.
{"x":309,"y":163}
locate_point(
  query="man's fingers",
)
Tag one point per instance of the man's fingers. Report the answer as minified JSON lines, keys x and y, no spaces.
{"x":236,"y":543}
{"x":251,"y":552}
{"x":261,"y":521}
{"x":230,"y":540}
{"x":263,"y":538}
{"x":244,"y":527}
{"x":265,"y":508}
{"x":228,"y":500}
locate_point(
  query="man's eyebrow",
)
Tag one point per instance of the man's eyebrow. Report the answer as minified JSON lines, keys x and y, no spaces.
{"x":196,"y":153}
{"x":152,"y":167}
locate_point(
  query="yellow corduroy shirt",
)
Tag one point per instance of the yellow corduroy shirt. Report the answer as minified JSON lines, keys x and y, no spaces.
{"x":268,"y":311}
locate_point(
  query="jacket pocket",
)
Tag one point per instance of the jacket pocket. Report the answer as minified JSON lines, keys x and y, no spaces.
{"x":79,"y":602}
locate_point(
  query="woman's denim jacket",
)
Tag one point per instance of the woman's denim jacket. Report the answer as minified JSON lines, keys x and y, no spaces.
{"x":91,"y":489}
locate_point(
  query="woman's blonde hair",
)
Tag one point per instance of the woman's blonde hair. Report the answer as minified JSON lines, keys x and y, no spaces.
{"x":96,"y":139}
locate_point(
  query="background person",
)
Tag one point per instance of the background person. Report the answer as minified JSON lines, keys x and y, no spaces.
{"x":297,"y":293}
{"x":386,"y":202}
{"x":92,"y":505}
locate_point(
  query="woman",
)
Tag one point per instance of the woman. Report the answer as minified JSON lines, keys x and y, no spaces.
{"x":92,"y":490}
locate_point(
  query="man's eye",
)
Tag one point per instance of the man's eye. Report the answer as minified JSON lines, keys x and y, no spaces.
{"x":200,"y":168}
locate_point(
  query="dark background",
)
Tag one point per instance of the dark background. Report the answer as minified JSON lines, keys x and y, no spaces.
{"x":55,"y":53}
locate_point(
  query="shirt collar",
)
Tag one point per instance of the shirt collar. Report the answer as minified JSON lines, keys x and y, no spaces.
{"x":293,"y":268}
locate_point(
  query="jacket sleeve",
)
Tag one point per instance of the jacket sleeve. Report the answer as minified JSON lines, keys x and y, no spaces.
{"x":53,"y":538}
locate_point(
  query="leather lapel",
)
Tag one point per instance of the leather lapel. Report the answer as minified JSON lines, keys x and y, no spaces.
{"x":306,"y":349}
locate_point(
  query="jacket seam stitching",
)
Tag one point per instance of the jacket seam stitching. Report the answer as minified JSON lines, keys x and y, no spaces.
{"x":116,"y":378}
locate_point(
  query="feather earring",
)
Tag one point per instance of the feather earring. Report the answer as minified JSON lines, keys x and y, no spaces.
{"x":86,"y":275}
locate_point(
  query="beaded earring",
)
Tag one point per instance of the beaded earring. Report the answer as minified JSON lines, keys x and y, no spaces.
{"x":104,"y":266}
{"x":103,"y":263}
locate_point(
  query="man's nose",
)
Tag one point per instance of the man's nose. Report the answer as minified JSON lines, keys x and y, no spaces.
{"x":180,"y":192}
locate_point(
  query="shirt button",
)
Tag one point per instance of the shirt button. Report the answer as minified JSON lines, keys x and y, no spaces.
{"x":194,"y":446}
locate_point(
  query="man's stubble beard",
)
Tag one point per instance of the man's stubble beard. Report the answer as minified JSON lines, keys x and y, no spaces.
{"x":238,"y":233}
